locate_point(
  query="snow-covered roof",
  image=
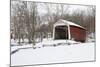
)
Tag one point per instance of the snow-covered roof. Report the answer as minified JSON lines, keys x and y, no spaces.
{"x":65,"y":22}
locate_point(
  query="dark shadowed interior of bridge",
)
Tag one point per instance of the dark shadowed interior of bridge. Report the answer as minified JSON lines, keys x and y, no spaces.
{"x":61,"y":32}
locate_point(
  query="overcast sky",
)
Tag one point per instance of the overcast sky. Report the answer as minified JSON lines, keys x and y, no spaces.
{"x":42,"y":8}
{"x":71,"y":8}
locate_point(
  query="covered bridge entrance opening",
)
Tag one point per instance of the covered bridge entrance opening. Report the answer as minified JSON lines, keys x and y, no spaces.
{"x":61,"y":32}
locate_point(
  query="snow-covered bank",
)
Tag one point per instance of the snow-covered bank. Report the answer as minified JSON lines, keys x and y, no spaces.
{"x":58,"y":54}
{"x":14,"y":48}
{"x":45,"y":42}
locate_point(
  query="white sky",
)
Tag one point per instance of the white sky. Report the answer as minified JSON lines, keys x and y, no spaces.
{"x":42,"y":9}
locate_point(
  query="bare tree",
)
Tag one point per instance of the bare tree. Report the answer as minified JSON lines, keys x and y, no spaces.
{"x":33,"y":15}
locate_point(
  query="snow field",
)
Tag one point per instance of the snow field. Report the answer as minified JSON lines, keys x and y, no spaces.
{"x":58,"y":54}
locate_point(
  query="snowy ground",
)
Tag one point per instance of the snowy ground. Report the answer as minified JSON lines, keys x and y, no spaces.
{"x":46,"y":42}
{"x":53,"y":54}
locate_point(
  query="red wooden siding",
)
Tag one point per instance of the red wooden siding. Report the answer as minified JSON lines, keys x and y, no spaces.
{"x":79,"y":34}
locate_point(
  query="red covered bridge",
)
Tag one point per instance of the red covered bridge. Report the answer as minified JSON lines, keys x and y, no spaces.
{"x":68,"y":30}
